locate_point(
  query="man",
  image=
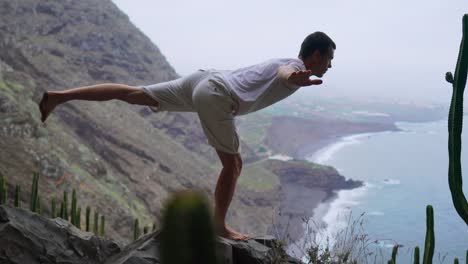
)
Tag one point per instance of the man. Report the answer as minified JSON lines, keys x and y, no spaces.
{"x":218,"y":96}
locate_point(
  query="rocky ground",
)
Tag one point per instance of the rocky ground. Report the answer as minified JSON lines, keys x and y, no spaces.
{"x":27,"y":237}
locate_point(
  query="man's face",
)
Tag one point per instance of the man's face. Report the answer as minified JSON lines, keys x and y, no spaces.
{"x":318,"y":63}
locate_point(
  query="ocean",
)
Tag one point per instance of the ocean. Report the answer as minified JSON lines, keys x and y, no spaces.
{"x":403,"y":172}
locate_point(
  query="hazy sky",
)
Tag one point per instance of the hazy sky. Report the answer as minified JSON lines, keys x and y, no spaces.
{"x":397,"y":49}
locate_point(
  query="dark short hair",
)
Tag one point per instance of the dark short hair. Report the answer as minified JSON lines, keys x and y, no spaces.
{"x":316,"y":41}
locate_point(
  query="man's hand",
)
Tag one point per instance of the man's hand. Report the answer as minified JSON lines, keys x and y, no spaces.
{"x":301,"y":78}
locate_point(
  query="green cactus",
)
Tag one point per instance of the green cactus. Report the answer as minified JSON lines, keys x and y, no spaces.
{"x":154,"y":226}
{"x":88,"y":214}
{"x":455,"y":261}
{"x":102,"y":225}
{"x":455,"y":123}
{"x":145,"y":230}
{"x":430,"y":239}
{"x":188,"y":231}
{"x":39,"y":207}
{"x":34,"y":192}
{"x":394,"y":253}
{"x":65,"y":205}
{"x":390,"y":262}
{"x":54,"y":208}
{"x":3,"y":190}
{"x":96,"y":224}
{"x":62,"y":210}
{"x":17,"y":196}
{"x":416,"y":255}
{"x":73,"y":208}
{"x":136,"y":230}
{"x":78,"y":218}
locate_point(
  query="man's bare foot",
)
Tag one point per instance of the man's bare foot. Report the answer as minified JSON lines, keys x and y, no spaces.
{"x":231,"y":234}
{"x":46,"y":105}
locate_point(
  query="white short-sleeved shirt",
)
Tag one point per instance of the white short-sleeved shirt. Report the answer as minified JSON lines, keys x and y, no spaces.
{"x":213,"y":93}
{"x":258,"y":86}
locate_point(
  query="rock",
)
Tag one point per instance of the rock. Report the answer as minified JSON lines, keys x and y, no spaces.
{"x":257,"y":250}
{"x":26,"y":237}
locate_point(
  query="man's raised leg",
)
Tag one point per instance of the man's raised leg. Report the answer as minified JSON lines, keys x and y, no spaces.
{"x":99,"y":92}
{"x":225,"y":187}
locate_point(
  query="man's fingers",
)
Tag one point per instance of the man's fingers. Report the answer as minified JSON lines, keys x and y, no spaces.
{"x":316,"y":82}
{"x":309,"y":82}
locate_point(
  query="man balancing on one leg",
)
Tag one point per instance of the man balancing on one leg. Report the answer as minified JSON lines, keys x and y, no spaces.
{"x":217,"y":96}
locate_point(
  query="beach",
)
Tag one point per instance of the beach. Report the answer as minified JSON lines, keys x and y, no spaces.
{"x":309,"y":207}
{"x":390,"y":172}
{"x":300,"y":202}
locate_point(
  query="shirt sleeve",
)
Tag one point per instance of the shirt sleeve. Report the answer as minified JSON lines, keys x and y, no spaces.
{"x":298,"y":66}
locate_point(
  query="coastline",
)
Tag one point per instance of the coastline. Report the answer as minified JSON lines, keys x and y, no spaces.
{"x":319,"y":207}
{"x":307,"y":136}
{"x":380,"y":211}
{"x":316,"y":143}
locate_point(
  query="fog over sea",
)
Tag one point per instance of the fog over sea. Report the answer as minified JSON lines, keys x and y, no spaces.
{"x":403,"y":172}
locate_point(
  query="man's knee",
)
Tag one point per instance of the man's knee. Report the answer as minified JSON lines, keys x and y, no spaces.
{"x":238,"y":163}
{"x":231,"y":161}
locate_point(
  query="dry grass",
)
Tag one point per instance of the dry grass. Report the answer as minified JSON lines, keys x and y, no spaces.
{"x":351,"y":244}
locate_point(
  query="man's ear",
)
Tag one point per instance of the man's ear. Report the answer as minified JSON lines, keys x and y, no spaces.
{"x":316,"y":56}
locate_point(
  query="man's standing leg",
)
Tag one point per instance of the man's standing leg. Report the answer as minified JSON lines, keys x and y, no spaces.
{"x":225,"y":187}
{"x":214,"y":105}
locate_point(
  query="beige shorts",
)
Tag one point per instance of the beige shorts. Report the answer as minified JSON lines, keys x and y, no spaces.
{"x":203,"y":92}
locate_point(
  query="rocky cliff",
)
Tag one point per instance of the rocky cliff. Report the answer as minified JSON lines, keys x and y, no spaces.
{"x":123,"y":160}
{"x":27,"y":237}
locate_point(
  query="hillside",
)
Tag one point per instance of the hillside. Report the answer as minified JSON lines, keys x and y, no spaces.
{"x":122,"y":159}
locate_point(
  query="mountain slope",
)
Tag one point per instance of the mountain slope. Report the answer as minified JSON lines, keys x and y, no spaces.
{"x":123,"y":160}
{"x":119,"y":158}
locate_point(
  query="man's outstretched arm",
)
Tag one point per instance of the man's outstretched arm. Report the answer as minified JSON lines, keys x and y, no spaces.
{"x":291,"y":76}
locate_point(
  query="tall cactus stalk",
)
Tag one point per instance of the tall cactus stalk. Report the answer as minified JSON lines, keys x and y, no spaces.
{"x":88,"y":215}
{"x":3,"y":190}
{"x":62,"y":210}
{"x":416,"y":255}
{"x":145,"y":230}
{"x":394,"y":253}
{"x":455,"y":123}
{"x":136,"y":230}
{"x":54,"y":209}
{"x":96,"y":223}
{"x":34,"y":190}
{"x":39,"y":206}
{"x":17,"y":196}
{"x":188,"y":231}
{"x":103,"y":219}
{"x":78,"y":218}
{"x":65,"y":205}
{"x":430,"y":239}
{"x":73,"y":208}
